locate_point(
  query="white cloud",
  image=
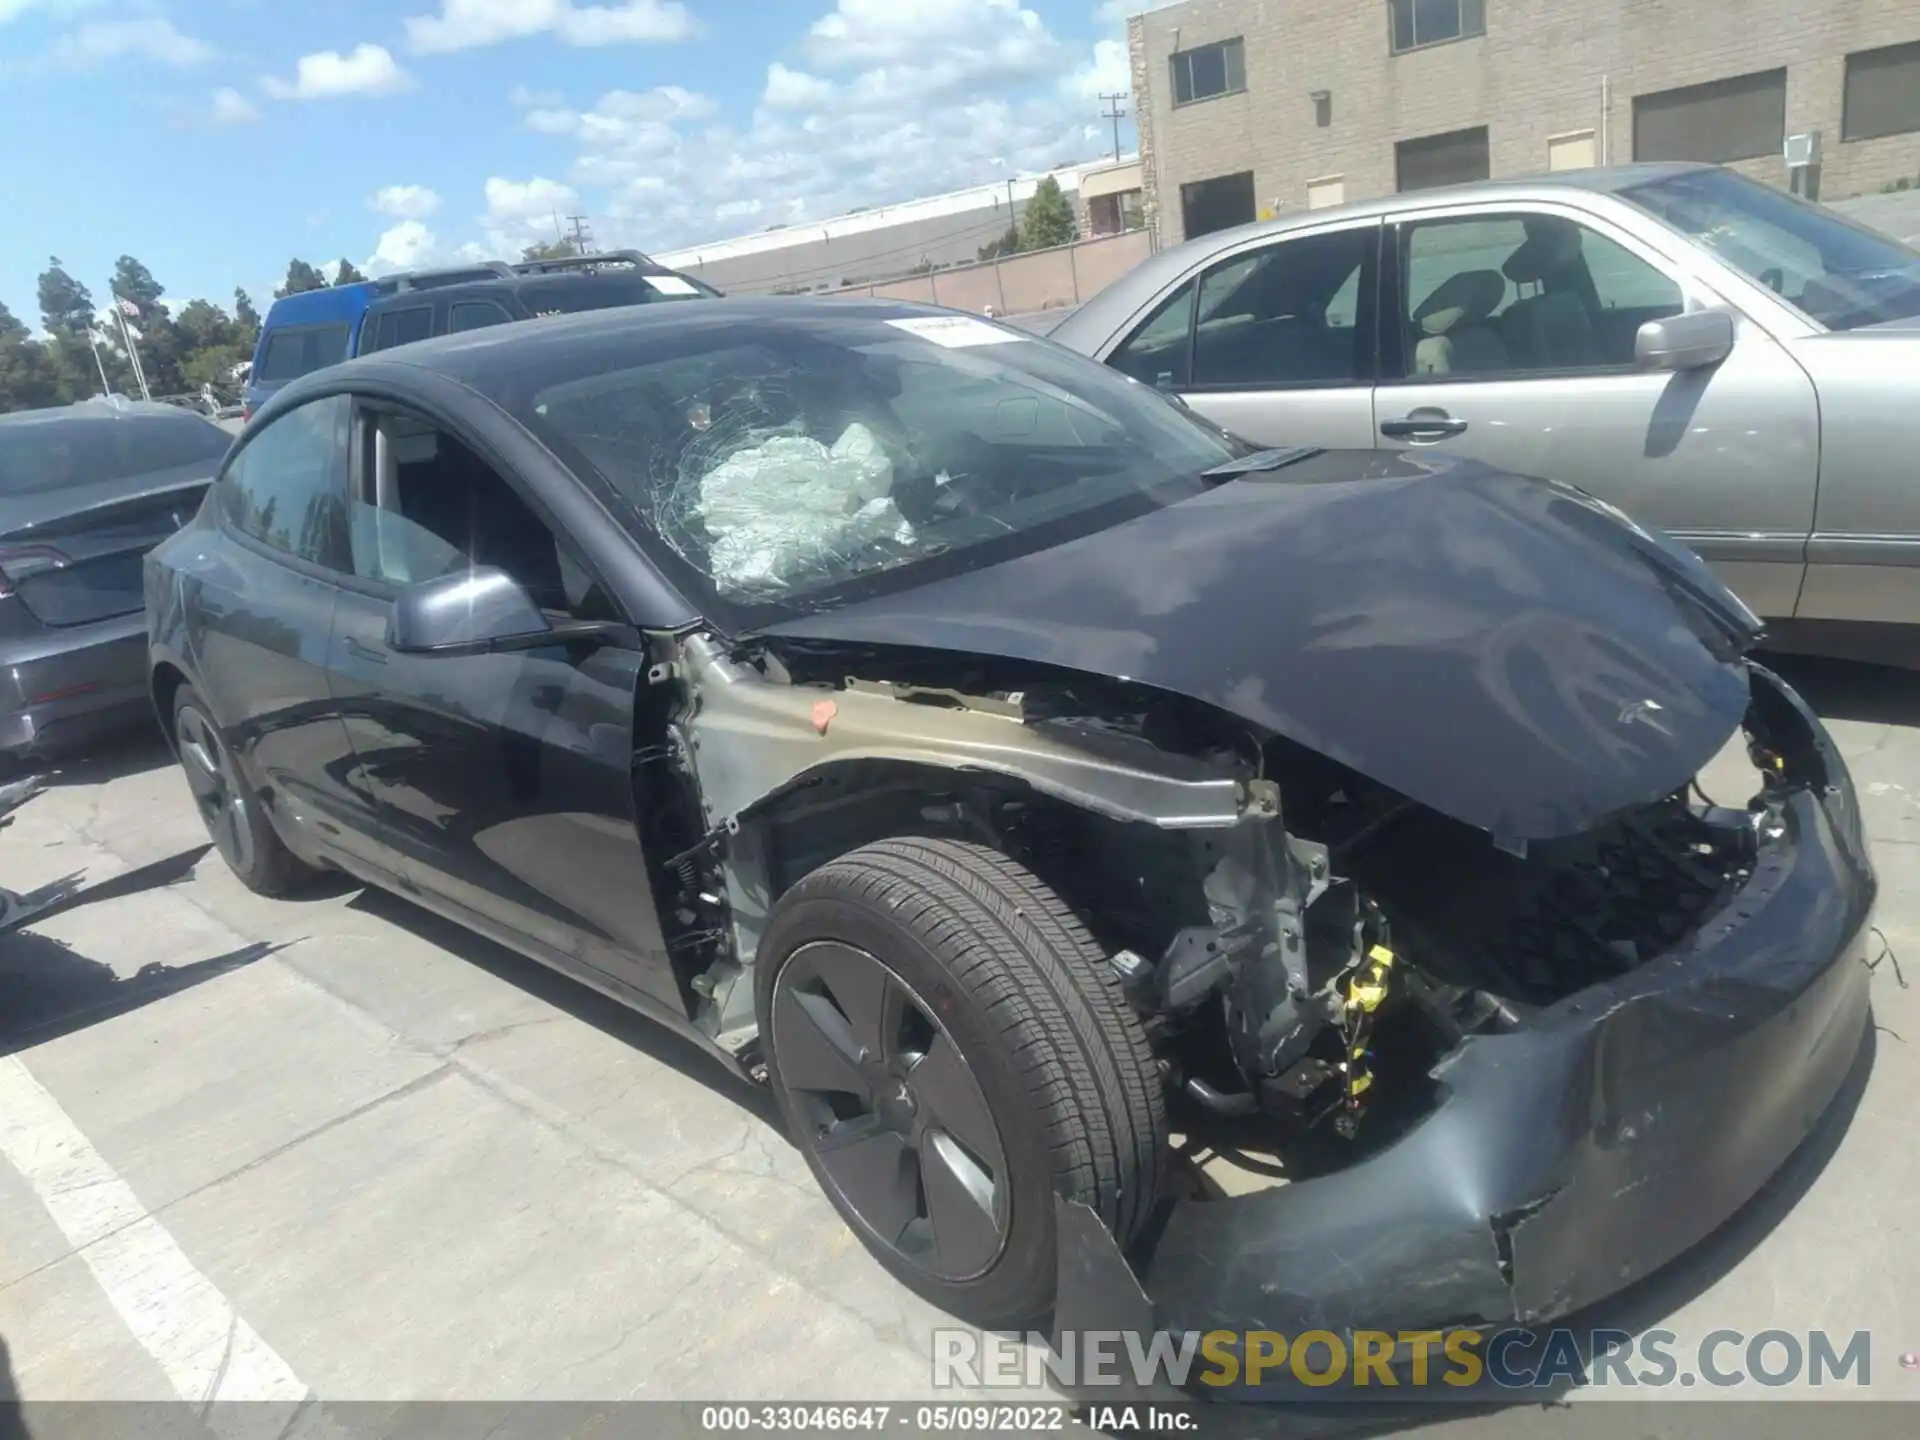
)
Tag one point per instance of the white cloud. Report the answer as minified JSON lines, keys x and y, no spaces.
{"x":893,"y":99}
{"x":404,"y":247}
{"x":404,"y":202}
{"x":147,"y":38}
{"x":519,"y":212}
{"x":794,"y":89}
{"x":1002,"y":33}
{"x":366,"y":70}
{"x":465,"y":24}
{"x":230,"y":107}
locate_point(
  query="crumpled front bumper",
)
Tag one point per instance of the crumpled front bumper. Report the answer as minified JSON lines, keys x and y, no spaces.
{"x":1570,"y":1158}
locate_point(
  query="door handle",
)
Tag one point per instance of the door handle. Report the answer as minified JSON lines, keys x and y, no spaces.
{"x":1425,"y":427}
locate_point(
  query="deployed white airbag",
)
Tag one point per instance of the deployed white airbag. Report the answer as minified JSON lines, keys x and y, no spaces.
{"x":789,"y":504}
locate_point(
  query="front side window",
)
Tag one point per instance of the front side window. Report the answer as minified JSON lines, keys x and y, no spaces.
{"x":1503,"y":295}
{"x":475,"y":315}
{"x":1209,"y":70}
{"x":442,"y":510}
{"x":1433,"y":22}
{"x":287,"y":487}
{"x":1285,"y":315}
{"x":1159,"y":351}
{"x":402,"y":327}
{"x":779,"y":470}
{"x":1839,"y":274}
{"x":300,"y":350}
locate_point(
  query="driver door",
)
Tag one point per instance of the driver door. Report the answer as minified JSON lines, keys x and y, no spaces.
{"x":505,"y":781}
{"x":1509,"y":334}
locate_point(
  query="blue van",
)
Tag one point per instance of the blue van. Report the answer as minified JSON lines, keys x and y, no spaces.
{"x":323,"y":327}
{"x":302,"y":333}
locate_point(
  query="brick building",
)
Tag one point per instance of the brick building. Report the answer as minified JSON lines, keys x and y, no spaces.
{"x":1253,"y":107}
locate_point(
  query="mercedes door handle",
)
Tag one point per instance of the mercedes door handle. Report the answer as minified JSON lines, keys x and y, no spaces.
{"x":1424,"y":427}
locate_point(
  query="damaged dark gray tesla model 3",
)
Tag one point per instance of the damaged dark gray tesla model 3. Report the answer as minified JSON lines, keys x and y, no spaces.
{"x":1011,"y":770}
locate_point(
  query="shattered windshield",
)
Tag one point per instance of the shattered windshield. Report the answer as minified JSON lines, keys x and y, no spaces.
{"x":1838,"y":273}
{"x":788,"y":467}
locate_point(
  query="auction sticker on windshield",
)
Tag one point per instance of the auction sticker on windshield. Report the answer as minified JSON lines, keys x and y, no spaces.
{"x":956,"y":332}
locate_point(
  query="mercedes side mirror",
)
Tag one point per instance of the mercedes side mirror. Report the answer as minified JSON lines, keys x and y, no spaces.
{"x":1691,"y":341}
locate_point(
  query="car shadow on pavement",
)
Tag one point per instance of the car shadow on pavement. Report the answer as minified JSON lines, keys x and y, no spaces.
{"x":52,"y":990}
{"x":12,"y":1425}
{"x":130,"y":752}
{"x":574,"y":998}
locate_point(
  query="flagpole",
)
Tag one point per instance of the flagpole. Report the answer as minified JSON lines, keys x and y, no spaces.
{"x":133,"y":350}
{"x":93,"y":341}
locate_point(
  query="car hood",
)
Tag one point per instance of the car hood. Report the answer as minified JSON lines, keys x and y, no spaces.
{"x":1510,"y":652}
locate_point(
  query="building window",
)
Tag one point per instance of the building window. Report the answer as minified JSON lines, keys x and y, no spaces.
{"x":1456,"y":158}
{"x":1883,"y":92}
{"x":1209,"y":70}
{"x":1217,"y":204}
{"x":1744,"y":118}
{"x":1434,"y":22}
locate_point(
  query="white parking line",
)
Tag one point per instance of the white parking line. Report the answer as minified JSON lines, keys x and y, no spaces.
{"x":206,"y":1349}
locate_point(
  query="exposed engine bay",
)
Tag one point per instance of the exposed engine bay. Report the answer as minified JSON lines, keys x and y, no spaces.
{"x":1302,"y":945}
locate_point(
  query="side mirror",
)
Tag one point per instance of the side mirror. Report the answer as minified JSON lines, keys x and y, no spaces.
{"x":1691,"y":341}
{"x":469,"y":613}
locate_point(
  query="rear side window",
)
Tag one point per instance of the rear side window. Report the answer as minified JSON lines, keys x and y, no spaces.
{"x":288,"y":487}
{"x":476,"y":315}
{"x":299,"y":350}
{"x":44,"y":455}
{"x":402,"y":327}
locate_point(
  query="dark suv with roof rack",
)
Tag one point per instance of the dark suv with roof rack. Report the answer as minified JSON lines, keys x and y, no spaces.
{"x":441,"y":302}
{"x":317,"y":328}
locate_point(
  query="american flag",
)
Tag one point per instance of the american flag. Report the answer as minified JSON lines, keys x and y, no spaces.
{"x":128,"y":308}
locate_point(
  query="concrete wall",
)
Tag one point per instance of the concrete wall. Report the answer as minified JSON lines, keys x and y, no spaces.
{"x":1540,"y":70}
{"x":1021,"y":284}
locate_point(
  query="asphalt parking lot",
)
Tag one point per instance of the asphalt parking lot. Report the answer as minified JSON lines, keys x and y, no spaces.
{"x":338,"y":1146}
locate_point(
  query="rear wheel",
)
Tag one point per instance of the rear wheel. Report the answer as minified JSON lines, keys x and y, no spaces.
{"x":951,"y":1049}
{"x":235,"y":819}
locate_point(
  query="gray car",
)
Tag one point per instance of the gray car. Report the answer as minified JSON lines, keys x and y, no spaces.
{"x":1713,"y":356}
{"x":85,"y":491}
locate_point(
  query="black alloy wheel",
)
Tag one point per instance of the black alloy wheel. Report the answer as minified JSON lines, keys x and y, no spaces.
{"x":953,"y":1056}
{"x":891,"y":1111}
{"x":233,"y":812}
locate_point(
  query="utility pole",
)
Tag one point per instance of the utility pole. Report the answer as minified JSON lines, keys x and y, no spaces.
{"x":1116,"y":114}
{"x":581,"y":239}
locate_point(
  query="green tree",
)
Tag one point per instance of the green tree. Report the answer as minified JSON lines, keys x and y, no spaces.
{"x":66,"y":306}
{"x":301,"y":277}
{"x":1048,"y":219}
{"x":246,"y":319}
{"x":348,"y":275}
{"x":67,"y":311}
{"x":160,"y":348}
{"x":1007,"y":244}
{"x":563,"y":249}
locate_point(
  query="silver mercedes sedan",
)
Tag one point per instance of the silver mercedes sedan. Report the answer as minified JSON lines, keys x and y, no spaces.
{"x":1717,"y":358}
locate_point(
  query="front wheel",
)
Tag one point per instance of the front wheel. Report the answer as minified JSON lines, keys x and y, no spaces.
{"x":951,"y":1049}
{"x":234,"y":816}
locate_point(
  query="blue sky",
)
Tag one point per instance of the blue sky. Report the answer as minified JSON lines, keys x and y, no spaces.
{"x":216,"y":139}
